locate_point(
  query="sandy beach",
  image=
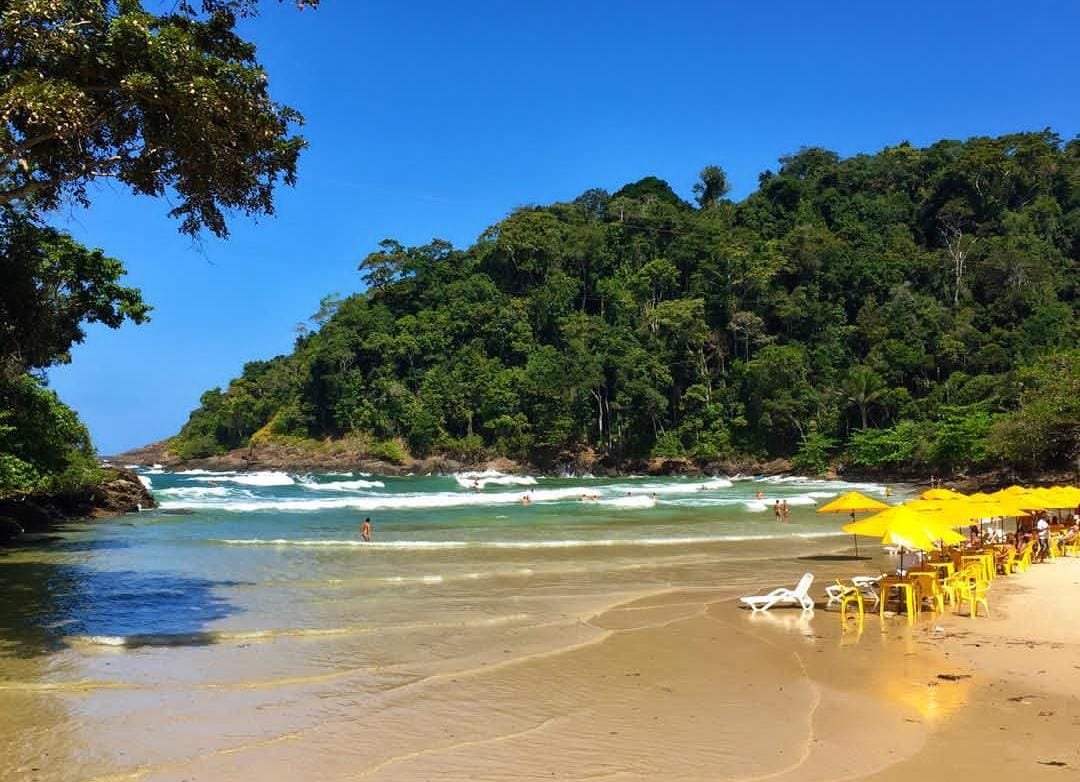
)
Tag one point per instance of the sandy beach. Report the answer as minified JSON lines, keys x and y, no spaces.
{"x":513,"y":643}
{"x":684,"y":685}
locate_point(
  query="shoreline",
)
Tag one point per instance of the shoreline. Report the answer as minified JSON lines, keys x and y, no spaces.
{"x":333,"y":456}
{"x":119,"y":492}
{"x":501,"y":664}
{"x":682,"y":685}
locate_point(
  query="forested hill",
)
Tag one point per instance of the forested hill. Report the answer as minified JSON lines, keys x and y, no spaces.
{"x":915,"y":308}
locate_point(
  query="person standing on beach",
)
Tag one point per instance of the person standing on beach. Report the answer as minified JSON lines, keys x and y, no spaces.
{"x":1042,"y":529}
{"x":785,"y":511}
{"x":365,"y":530}
{"x":777,"y":513}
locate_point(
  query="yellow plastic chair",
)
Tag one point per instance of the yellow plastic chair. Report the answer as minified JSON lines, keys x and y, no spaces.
{"x":934,"y":593}
{"x":974,"y":594}
{"x":1009,"y":565}
{"x":952,"y":587}
{"x":849,"y":593}
{"x":1024,"y":562}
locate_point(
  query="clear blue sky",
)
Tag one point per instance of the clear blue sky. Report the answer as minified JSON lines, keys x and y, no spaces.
{"x":436,"y":119}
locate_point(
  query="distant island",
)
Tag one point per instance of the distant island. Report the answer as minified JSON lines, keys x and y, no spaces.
{"x":912,"y":311}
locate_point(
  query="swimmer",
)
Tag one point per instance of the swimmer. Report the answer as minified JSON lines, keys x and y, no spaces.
{"x":760,"y":494}
{"x":365,"y":530}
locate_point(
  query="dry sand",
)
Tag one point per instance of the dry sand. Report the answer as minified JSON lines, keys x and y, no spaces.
{"x":684,"y":685}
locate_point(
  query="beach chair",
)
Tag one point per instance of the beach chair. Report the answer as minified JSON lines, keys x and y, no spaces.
{"x":1009,"y":564}
{"x":974,"y":594}
{"x":1024,"y":562}
{"x":783,"y":596}
{"x":848,"y":594}
{"x":867,"y":585}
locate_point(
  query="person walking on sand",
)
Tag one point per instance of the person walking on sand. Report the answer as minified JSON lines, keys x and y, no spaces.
{"x":365,"y":530}
{"x":785,"y":511}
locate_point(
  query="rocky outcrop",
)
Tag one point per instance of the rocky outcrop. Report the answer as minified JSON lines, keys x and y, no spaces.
{"x":120,"y":491}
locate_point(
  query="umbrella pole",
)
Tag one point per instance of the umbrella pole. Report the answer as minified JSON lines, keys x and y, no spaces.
{"x":855,"y":536}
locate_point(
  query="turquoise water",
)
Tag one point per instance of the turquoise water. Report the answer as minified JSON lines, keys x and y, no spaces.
{"x":263,"y":607}
{"x":246,"y":538}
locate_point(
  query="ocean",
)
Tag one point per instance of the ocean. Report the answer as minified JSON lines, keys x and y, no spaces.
{"x":247,"y":608}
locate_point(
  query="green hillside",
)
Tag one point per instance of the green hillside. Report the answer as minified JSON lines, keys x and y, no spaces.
{"x":912,"y":309}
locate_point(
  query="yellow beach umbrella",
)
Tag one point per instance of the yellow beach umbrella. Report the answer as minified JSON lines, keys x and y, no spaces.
{"x":853,"y":502}
{"x":907,"y":528}
{"x":940,"y":494}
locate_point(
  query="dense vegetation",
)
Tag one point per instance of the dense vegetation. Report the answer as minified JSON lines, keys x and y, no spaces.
{"x":171,"y":103}
{"x":915,"y":308}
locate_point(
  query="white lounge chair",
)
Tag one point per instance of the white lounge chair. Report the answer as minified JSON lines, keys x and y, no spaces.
{"x":797,"y":596}
{"x":868,"y":585}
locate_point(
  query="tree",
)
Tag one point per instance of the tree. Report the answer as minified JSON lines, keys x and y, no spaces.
{"x":713,"y":186}
{"x":863,"y":387}
{"x":1045,"y":430}
{"x":170,"y":103}
{"x":52,"y":286}
{"x":636,"y":325}
{"x":163,"y":103}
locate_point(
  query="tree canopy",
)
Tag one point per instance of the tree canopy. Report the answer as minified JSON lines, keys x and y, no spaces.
{"x":882,"y":310}
{"x":162,"y":102}
{"x":171,"y":103}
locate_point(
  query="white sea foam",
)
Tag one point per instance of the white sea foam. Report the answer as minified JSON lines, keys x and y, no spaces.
{"x":373,"y":502}
{"x":201,"y":492}
{"x":798,"y":480}
{"x":356,"y":485}
{"x":218,"y":473}
{"x":470,"y":480}
{"x":406,"y":545}
{"x":637,"y":501}
{"x":248,"y":478}
{"x":756,"y":506}
{"x":149,"y":484}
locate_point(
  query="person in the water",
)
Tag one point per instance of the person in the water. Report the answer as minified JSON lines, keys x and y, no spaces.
{"x":365,"y":530}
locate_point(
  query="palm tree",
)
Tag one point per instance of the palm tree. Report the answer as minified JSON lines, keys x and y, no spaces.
{"x":863,"y":387}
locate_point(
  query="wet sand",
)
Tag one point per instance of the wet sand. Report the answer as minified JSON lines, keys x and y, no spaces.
{"x":675,"y":684}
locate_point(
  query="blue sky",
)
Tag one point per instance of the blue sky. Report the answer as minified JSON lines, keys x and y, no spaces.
{"x":436,"y":119}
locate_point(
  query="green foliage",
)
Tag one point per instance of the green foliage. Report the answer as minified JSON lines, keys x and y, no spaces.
{"x":52,"y":287}
{"x":825,"y":317}
{"x":43,"y":445}
{"x":161,"y":102}
{"x":814,"y":453}
{"x":668,"y":445}
{"x":1045,"y":430}
{"x":388,"y":451}
{"x":960,"y":436}
{"x":172,"y":101}
{"x":885,"y":448}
